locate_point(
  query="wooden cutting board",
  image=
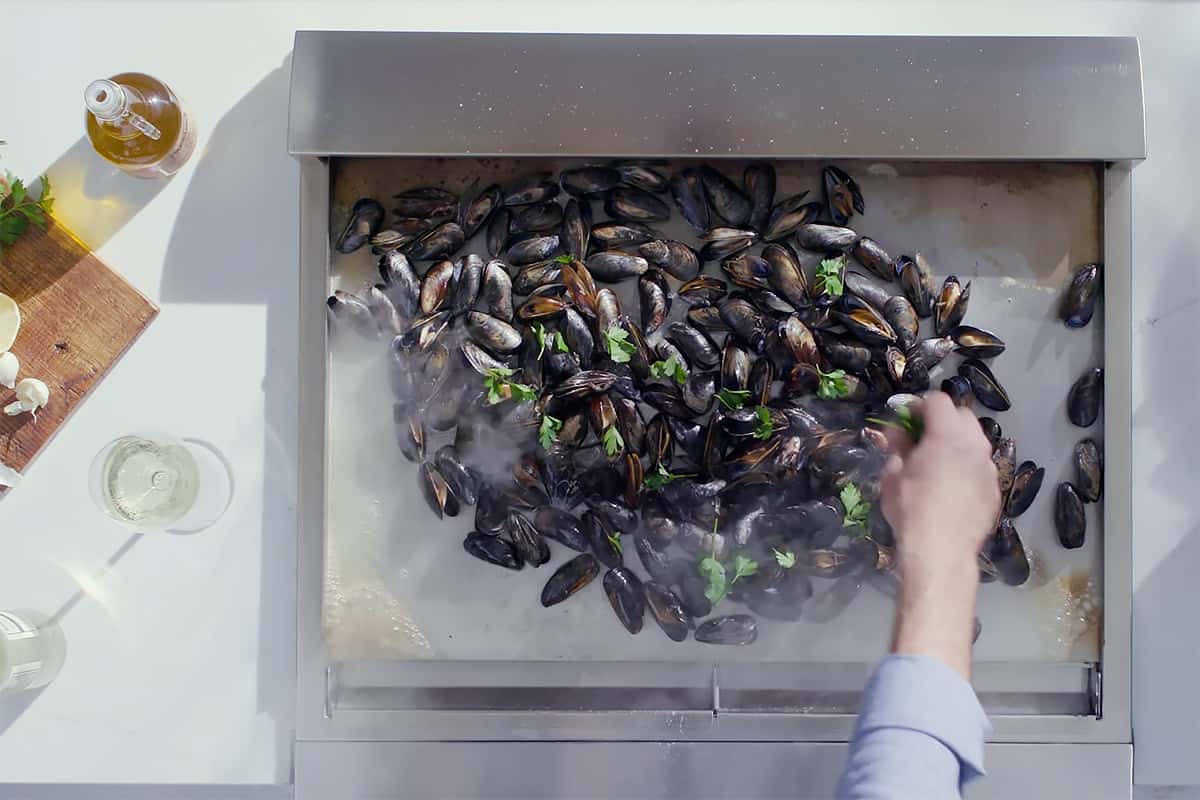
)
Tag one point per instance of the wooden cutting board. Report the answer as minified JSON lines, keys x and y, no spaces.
{"x":77,"y":318}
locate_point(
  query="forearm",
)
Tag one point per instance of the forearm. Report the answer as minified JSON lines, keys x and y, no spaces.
{"x":935,"y":612}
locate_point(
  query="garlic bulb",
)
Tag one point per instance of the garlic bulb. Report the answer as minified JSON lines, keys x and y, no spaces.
{"x":8,"y":370}
{"x":32,"y":394}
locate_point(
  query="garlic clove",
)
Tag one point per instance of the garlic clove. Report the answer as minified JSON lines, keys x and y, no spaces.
{"x":14,"y":408}
{"x":33,"y":394}
{"x":9,"y":365}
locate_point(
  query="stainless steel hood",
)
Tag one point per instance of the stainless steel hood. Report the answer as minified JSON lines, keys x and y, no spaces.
{"x":528,"y":728}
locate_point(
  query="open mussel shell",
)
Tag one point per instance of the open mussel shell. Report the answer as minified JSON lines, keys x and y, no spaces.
{"x":526,"y":539}
{"x":785,"y":275}
{"x":723,"y":242}
{"x":1026,"y":482}
{"x":704,"y":290}
{"x":864,"y":322}
{"x":1085,"y":397}
{"x":627,"y":597}
{"x":951,"y":306}
{"x":976,"y":342}
{"x":788,"y":215}
{"x":748,"y":271}
{"x":436,"y":491}
{"x":1089,"y":470}
{"x":667,"y":610}
{"x":1069,"y":519}
{"x":473,"y":214}
{"x":916,"y":279}
{"x":1004,"y":456}
{"x":410,"y":432}
{"x":732,"y":629}
{"x":366,"y":217}
{"x":988,"y":390}
{"x":1007,"y":554}
{"x":493,"y":550}
{"x":842,"y":195}
{"x":569,"y":579}
{"x":463,"y":481}
{"x":1079,"y":302}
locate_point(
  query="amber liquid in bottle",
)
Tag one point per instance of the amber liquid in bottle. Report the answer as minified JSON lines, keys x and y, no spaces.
{"x":140,"y":125}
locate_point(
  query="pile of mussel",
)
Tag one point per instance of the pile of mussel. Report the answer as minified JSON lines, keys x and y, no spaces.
{"x":726,"y":435}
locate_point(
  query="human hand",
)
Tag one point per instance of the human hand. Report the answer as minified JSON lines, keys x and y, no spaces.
{"x":942,"y":499}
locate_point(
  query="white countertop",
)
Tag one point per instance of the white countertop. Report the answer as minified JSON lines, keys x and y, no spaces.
{"x":181,"y":649}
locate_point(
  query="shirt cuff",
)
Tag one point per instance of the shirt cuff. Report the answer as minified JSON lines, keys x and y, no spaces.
{"x":922,"y":694}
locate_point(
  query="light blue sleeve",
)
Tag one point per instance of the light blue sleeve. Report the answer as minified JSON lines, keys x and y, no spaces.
{"x":919,"y":735}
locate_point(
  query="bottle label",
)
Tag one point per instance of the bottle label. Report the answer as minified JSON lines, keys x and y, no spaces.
{"x":13,"y":627}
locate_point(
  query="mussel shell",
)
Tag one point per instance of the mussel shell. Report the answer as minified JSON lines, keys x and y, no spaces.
{"x":745,"y":321}
{"x":436,"y":491}
{"x":747,"y":270}
{"x":599,"y":532}
{"x":627,"y":597}
{"x":401,"y":284}
{"x":473,"y":214}
{"x":497,"y":290}
{"x":497,"y":232}
{"x":777,"y":593}
{"x":691,"y":594}
{"x":387,"y":317}
{"x":696,"y":345}
{"x":533,"y":249}
{"x":1085,"y":397}
{"x":538,"y":218}
{"x":491,"y":510}
{"x":667,"y":398}
{"x":976,"y":342}
{"x":931,"y":352}
{"x":653,"y":293}
{"x":1069,"y":519}
{"x":706,"y":318}
{"x":589,"y":180}
{"x":643,"y":176}
{"x":1079,"y":302}
{"x":788,"y":215}
{"x":724,"y":198}
{"x":688,"y":193}
{"x":1007,"y":553}
{"x":901,"y":315}
{"x":785,"y":275}
{"x":988,"y":390}
{"x":492,"y":333}
{"x":612,"y":266}
{"x":631,"y":204}
{"x":576,"y":231}
{"x":992,"y":430}
{"x":864,"y":322}
{"x":658,"y":564}
{"x":834,"y":465}
{"x":615,"y":234}
{"x":677,"y":258}
{"x":866,"y":288}
{"x":959,"y":389}
{"x":842,"y":195}
{"x":444,"y":240}
{"x":1089,"y":470}
{"x":569,"y":579}
{"x":493,"y":550}
{"x":868,"y":252}
{"x":916,"y":279}
{"x":723,"y":242}
{"x":582,"y":289}
{"x":1026,"y":482}
{"x":526,"y":539}
{"x":410,"y":432}
{"x":843,"y":352}
{"x":667,"y":610}
{"x":366,"y":217}
{"x":463,"y":482}
{"x":1004,"y":456}
{"x":951,"y":306}
{"x":704,"y":290}
{"x":425,"y":201}
{"x":761,"y":382}
{"x":829,"y":239}
{"x":536,"y":188}
{"x":699,"y":390}
{"x":732,"y":629}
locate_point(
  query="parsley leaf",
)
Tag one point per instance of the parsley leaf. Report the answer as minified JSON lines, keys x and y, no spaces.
{"x":614,"y":539}
{"x":786,"y":559}
{"x":661,"y":477}
{"x":548,"y":431}
{"x":856,"y":508}
{"x":733,"y":399}
{"x":17,"y":211}
{"x":522,"y":392}
{"x":560,"y":343}
{"x":828,"y":278}
{"x":613,"y":443}
{"x":670,"y":369}
{"x":500,"y":388}
{"x":743,"y":566}
{"x":565,"y":258}
{"x":620,"y":349}
{"x":765,"y":427}
{"x":914,"y":426}
{"x":714,"y":572}
{"x":833,"y":385}
{"x":539,"y":331}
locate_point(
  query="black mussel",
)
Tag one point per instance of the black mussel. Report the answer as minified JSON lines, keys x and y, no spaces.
{"x":436,"y":491}
{"x":490,"y":511}
{"x":577,"y":336}
{"x":474,"y":213}
{"x":462,"y":480}
{"x":803,"y":420}
{"x":658,"y":564}
{"x":574,"y":430}
{"x":867,"y":252}
{"x":788,"y":215}
{"x":659,"y":443}
{"x":759,"y":182}
{"x":1004,"y":456}
{"x":778,"y":593}
{"x":492,"y":333}
{"x":665,"y":351}
{"x":425,"y":333}
{"x":1079,"y":302}
{"x":1089,"y":470}
{"x":468,"y":278}
{"x":747,"y":270}
{"x":536,"y":188}
{"x":745,"y":321}
{"x":832,"y":466}
{"x":533,"y":249}
{"x":535,"y":219}
{"x":633,"y":470}
{"x":692,"y":595}
{"x":830,"y":562}
{"x":1027,"y":480}
{"x":901,"y":315}
{"x":762,"y":379}
{"x":931,"y":352}
{"x":353,"y":311}
{"x":605,"y":540}
{"x":410,"y":432}
{"x":1007,"y":554}
{"x":541,"y":307}
{"x":497,"y":290}
{"x":733,"y":629}
{"x":587,"y":383}
{"x":724,"y":242}
{"x":615,"y":234}
{"x":785,"y":275}
{"x":975,"y":342}
{"x":601,"y":413}
{"x":583,"y":292}
{"x":894,"y":363}
{"x":706,"y":318}
{"x":366,"y":217}
{"x":612,"y":266}
{"x":916,"y":279}
{"x":951,"y":306}
{"x":843,"y":352}
{"x":677,"y":258}
{"x":629,"y":204}
{"x":1069,"y":518}
{"x":425,"y":201}
{"x":703,"y":291}
{"x":801,"y":380}
{"x":695,"y":345}
{"x":864,"y":322}
{"x":724,"y":198}
{"x":435,"y":286}
{"x":866,"y":288}
{"x":688,"y":193}
{"x":815,"y":523}
{"x":497,"y":232}
{"x":992,"y":430}
{"x":667,"y":398}
{"x":842,"y":195}
{"x":526,"y":539}
{"x":699,"y":390}
{"x":589,"y":180}
{"x":959,"y":389}
{"x":561,"y":526}
{"x":493,"y":550}
{"x":627,"y":597}
{"x":1085,"y":397}
{"x":575,"y":232}
{"x":444,"y":240}
{"x":401,"y":232}
{"x":384,"y":312}
{"x":654,"y":294}
{"x":569,"y":579}
{"x":401,"y":284}
{"x":988,"y":390}
{"x":667,"y":610}
{"x":643,"y":176}
{"x":735,"y":366}
{"x":830,"y":239}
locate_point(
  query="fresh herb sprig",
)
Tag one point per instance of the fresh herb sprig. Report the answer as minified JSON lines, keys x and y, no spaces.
{"x":612,"y":440}
{"x":620,"y":349}
{"x":669,"y":368}
{"x":828,"y":278}
{"x":832,"y":384}
{"x":733,"y":399}
{"x":857,"y":510}
{"x":662,"y":476}
{"x":18,"y":210}
{"x":905,"y":420}
{"x":765,"y":426}
{"x":785,"y":558}
{"x":500,"y":388}
{"x":548,"y":431}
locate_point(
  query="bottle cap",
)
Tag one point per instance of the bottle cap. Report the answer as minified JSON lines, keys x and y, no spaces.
{"x":104,"y":99}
